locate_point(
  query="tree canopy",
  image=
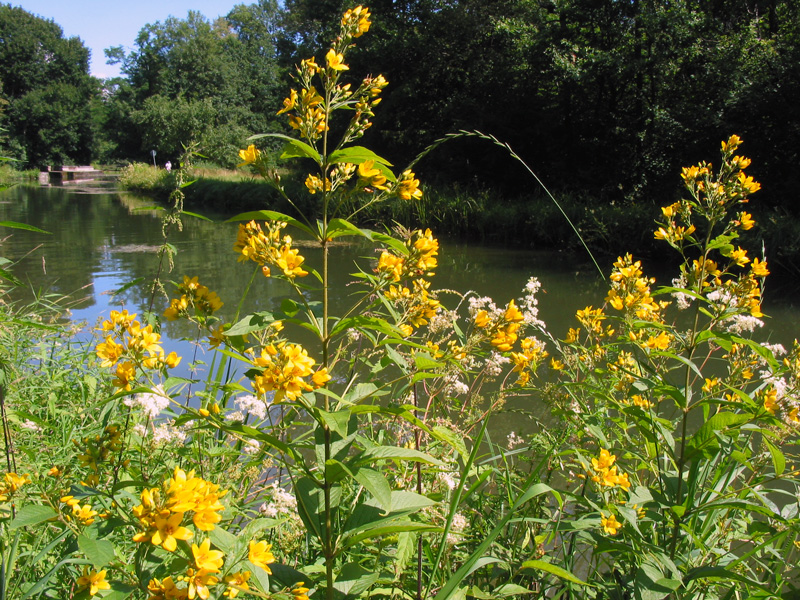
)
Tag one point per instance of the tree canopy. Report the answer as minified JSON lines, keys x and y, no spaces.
{"x":605,"y":99}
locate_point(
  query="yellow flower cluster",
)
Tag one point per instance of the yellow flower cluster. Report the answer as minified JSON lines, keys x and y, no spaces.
{"x":83,"y":512}
{"x":417,"y":303}
{"x":139,"y":346}
{"x":501,"y":328}
{"x":99,"y":450}
{"x":249,"y":156}
{"x":269,"y":248}
{"x":193,"y":296}
{"x":630,"y":291}
{"x":407,"y":187}
{"x":284,"y":369}
{"x":370,"y":177}
{"x":526,"y":361}
{"x":419,"y":261}
{"x":355,"y":21}
{"x":11,"y":483}
{"x":309,"y":116}
{"x":161,"y":516}
{"x":604,"y":471}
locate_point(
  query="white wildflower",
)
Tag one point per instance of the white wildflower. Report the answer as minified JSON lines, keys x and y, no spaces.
{"x":776,"y":349}
{"x":251,"y":447}
{"x":236,"y":416}
{"x":494,"y":364}
{"x":250,"y":404}
{"x":283,"y":503}
{"x":683,"y":301}
{"x":485,"y":303}
{"x":528,"y":304}
{"x":514,"y":440}
{"x":30,"y":425}
{"x":151,"y":404}
{"x":742,"y":323}
{"x":446,"y":479}
{"x":442,"y":321}
{"x":454,"y":386}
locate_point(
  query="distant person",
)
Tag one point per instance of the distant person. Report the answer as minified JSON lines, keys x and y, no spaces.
{"x":168,"y":166}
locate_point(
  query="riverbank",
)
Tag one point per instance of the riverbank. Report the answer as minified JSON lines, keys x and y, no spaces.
{"x":474,"y":214}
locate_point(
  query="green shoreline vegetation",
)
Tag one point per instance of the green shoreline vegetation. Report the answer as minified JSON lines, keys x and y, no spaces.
{"x":479,"y":215}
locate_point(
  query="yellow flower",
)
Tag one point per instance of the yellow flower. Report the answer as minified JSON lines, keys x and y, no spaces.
{"x":335,"y":61}
{"x":610,"y":524}
{"x":771,"y":401}
{"x":745,"y":221}
{"x":250,"y":155}
{"x":168,"y":531}
{"x":371,"y":177}
{"x":299,"y":592}
{"x":84,"y":513}
{"x":604,"y":461}
{"x":758,"y":268}
{"x":125,"y":374}
{"x":261,"y":555}
{"x":207,"y":559}
{"x":408,"y":187}
{"x":93,"y":580}
{"x":199,"y":582}
{"x":289,"y":103}
{"x":239,"y":580}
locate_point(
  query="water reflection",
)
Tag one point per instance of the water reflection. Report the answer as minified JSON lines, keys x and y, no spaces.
{"x":100,"y":242}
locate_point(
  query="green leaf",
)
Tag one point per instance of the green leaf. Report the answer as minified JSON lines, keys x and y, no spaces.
{"x":255,"y":322}
{"x":353,"y":579}
{"x":397,"y":453}
{"x":377,"y":485}
{"x":356,"y":155}
{"x":271,"y":215}
{"x":196,"y":216}
{"x":99,"y":552}
{"x":340,"y":227}
{"x":705,"y":440}
{"x":25,"y":226}
{"x":424,"y":361}
{"x":778,"y":459}
{"x":222,"y":540}
{"x":553,"y":570}
{"x":294,"y":148}
{"x":31,"y":514}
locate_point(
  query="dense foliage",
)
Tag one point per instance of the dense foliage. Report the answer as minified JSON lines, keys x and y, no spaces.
{"x":603,"y":98}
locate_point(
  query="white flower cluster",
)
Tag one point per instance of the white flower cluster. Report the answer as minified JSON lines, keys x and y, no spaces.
{"x":514,"y":440}
{"x":458,"y":525}
{"x":442,"y":321}
{"x":495,"y":362}
{"x":254,"y":406}
{"x":485,"y":303}
{"x":151,"y":404}
{"x":528,"y":304}
{"x":283,"y":503}
{"x":163,"y":433}
{"x":454,"y":386}
{"x":682,"y":300}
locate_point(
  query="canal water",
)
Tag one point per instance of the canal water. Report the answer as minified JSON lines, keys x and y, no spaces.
{"x":99,"y":240}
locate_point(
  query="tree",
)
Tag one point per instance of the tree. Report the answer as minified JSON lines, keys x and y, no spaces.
{"x":45,"y":79}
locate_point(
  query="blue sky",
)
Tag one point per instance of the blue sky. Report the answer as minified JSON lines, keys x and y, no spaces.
{"x":102,"y":24}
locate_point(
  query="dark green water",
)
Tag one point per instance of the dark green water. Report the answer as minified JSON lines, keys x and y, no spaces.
{"x":101,"y":241}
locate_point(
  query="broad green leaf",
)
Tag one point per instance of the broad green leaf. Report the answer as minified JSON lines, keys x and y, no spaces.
{"x":222,"y":540}
{"x":511,"y":589}
{"x":294,"y":148}
{"x":31,"y":514}
{"x":778,"y":459}
{"x":364,"y":323}
{"x":356,"y":155}
{"x":423,"y":361}
{"x":559,"y":572}
{"x":99,"y":552}
{"x":705,"y":439}
{"x":271,"y":215}
{"x":340,"y":227}
{"x":353,"y":579}
{"x":377,"y":485}
{"x":255,"y":322}
{"x":393,"y":527}
{"x":196,"y":216}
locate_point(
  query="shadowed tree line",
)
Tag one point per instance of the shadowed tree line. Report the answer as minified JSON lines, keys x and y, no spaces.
{"x":605,"y":99}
